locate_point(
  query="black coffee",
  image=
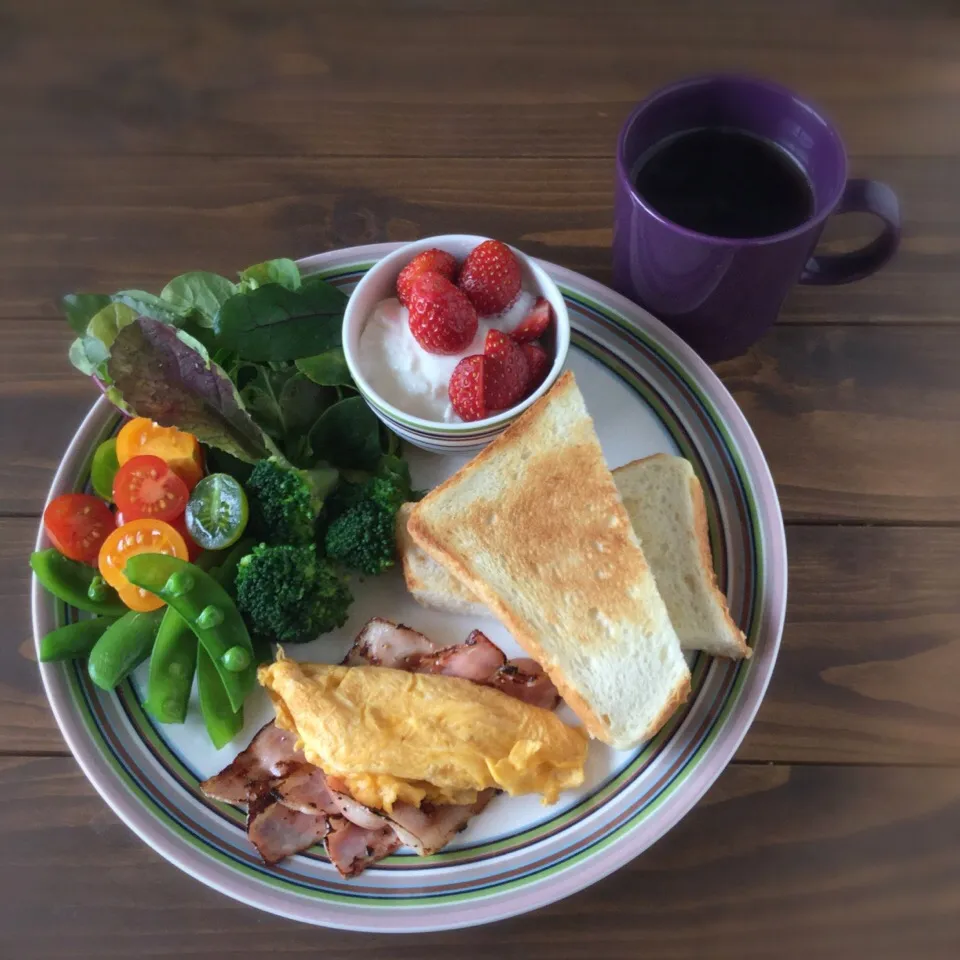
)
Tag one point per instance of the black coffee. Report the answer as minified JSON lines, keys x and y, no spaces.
{"x":725,"y":183}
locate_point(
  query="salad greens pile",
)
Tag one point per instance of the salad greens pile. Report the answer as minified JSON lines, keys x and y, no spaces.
{"x":253,"y":367}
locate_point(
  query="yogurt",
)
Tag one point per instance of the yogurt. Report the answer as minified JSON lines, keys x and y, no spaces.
{"x":408,"y":377}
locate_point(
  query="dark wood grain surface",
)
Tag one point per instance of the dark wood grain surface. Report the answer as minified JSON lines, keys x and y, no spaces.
{"x":142,"y":139}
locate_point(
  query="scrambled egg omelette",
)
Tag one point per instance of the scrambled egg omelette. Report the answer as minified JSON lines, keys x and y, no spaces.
{"x":390,"y":735}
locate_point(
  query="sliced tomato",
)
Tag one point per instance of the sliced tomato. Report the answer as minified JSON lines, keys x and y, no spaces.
{"x":180,"y":525}
{"x":180,"y":450}
{"x":137,"y":536}
{"x":147,"y":488}
{"x":77,"y":524}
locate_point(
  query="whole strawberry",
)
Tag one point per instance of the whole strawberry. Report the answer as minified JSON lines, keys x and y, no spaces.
{"x":442,"y":319}
{"x":430,"y":261}
{"x":490,"y":277}
{"x":507,"y":371}
{"x":466,"y":388}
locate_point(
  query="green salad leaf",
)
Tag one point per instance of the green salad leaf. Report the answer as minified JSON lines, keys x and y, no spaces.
{"x":272,"y":323}
{"x":161,"y":377}
{"x":347,"y":435}
{"x":200,"y":293}
{"x":282,"y":271}
{"x":328,"y":369}
{"x":80,"y":309}
{"x":90,"y":351}
{"x":148,"y":305}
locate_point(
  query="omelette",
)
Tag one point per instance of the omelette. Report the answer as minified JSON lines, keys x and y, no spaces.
{"x":391,"y":736}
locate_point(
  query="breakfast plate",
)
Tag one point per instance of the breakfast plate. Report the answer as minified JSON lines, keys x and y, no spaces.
{"x":647,"y":393}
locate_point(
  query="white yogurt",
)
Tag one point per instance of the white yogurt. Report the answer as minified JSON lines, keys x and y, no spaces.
{"x":404,"y":374}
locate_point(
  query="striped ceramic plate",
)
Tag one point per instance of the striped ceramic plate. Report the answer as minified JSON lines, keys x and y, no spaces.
{"x":647,"y":393}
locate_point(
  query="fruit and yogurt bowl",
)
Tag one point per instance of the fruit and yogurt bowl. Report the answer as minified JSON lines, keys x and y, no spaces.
{"x":450,"y":338}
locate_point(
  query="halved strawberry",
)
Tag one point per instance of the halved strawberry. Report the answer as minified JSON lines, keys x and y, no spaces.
{"x":430,"y":261}
{"x":442,"y":319}
{"x":466,"y":388}
{"x":535,"y":323}
{"x":507,"y":371}
{"x":490,"y":277}
{"x":538,"y":364}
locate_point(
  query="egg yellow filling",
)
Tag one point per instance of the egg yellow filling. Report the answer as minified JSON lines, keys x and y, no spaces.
{"x":392,"y":736}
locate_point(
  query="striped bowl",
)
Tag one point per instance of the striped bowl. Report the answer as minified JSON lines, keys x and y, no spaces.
{"x":380,"y":282}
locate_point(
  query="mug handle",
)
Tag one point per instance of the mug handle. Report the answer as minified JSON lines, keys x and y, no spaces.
{"x":860,"y":196}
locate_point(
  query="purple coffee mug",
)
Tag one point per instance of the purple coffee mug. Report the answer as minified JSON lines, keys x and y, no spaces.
{"x":722,"y":294}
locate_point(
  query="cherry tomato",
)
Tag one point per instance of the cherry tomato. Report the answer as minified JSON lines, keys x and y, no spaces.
{"x":146,"y":488}
{"x":180,"y":450}
{"x":137,"y":536}
{"x":180,"y":525}
{"x":77,"y":523}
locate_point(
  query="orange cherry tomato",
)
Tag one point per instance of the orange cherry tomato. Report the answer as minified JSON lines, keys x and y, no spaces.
{"x":180,"y":525}
{"x":147,"y":487}
{"x":137,"y":536}
{"x":180,"y":450}
{"x":77,"y":523}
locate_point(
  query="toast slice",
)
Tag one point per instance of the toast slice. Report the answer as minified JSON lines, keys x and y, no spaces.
{"x":664,"y":501}
{"x":669,"y":515}
{"x":534,"y":527}
{"x":429,"y":582}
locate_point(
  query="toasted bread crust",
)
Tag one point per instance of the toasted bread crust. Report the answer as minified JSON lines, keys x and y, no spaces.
{"x":702,"y":532}
{"x":701,"y":529}
{"x":615,"y":531}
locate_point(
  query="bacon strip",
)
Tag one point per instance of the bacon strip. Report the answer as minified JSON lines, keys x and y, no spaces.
{"x":270,"y":755}
{"x":352,"y":849}
{"x":277,"y":831}
{"x":291,"y":803}
{"x":382,"y":643}
{"x":385,"y":644}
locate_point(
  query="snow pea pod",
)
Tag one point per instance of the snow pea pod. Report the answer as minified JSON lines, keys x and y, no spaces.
{"x":174,"y":662}
{"x":172,"y":665}
{"x":76,"y":583}
{"x":124,"y":645}
{"x":223,"y":723}
{"x":74,"y":641}
{"x":207,"y":608}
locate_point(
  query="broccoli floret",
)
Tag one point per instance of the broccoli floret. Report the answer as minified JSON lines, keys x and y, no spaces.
{"x":289,"y":595}
{"x":345,"y":496}
{"x":285,"y":502}
{"x":363,"y":538}
{"x":390,"y":485}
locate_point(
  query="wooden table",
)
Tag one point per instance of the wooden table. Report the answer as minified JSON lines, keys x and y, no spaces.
{"x":143,"y":139}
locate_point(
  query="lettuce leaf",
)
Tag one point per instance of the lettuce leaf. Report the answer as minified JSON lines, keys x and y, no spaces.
{"x":160,"y":376}
{"x":272,"y":323}
{"x":199,"y":293}
{"x":282,"y":271}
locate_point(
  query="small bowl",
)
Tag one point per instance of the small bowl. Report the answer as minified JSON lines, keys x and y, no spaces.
{"x":380,"y":282}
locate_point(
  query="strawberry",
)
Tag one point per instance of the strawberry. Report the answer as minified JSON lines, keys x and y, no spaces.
{"x":535,"y":323}
{"x":466,"y":388}
{"x":490,"y":277}
{"x":442,"y":319}
{"x":507,"y":372}
{"x":430,"y":261}
{"x":538,"y":364}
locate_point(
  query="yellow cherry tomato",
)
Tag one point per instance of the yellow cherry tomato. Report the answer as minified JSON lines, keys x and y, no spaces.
{"x":137,"y":536}
{"x":179,"y":450}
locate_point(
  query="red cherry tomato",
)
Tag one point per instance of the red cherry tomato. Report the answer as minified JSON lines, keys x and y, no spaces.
{"x":180,"y":525}
{"x":77,"y":524}
{"x":145,"y":488}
